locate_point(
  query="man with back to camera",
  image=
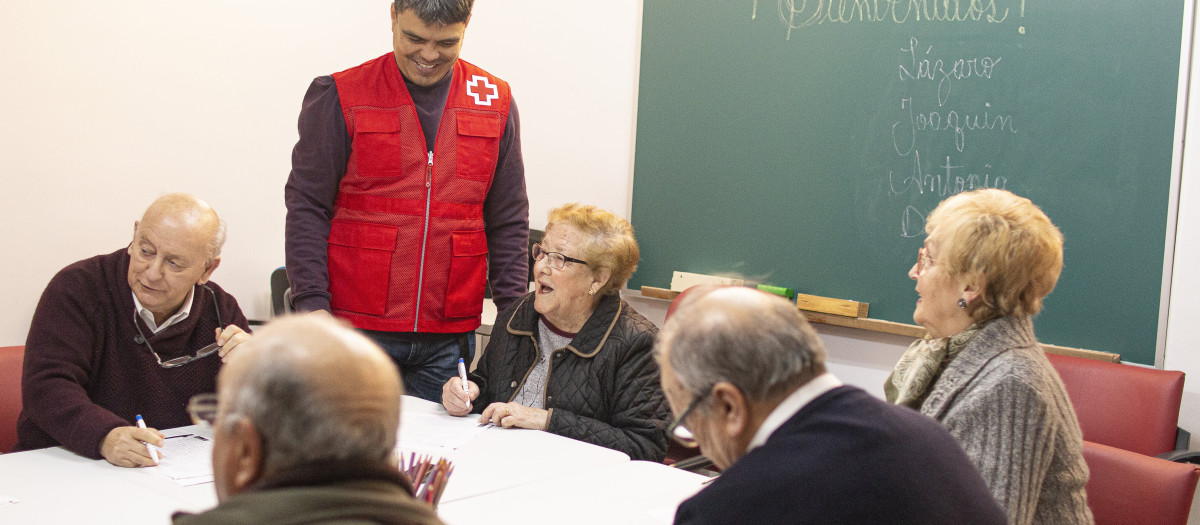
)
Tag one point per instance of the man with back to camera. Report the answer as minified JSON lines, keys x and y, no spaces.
{"x":304,"y":431}
{"x":407,"y":193}
{"x":133,"y":332}
{"x":745,"y":374}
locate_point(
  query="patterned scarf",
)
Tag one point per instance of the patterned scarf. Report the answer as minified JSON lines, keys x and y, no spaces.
{"x":921,"y":366}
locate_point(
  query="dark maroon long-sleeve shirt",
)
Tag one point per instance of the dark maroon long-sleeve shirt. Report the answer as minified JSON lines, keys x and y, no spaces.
{"x":319,"y":162}
{"x":85,"y":372}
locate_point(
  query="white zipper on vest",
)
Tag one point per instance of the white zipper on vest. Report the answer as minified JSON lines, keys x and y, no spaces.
{"x":424,"y":238}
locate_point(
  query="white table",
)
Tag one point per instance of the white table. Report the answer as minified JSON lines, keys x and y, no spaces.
{"x":630,"y":493}
{"x":502,"y":458}
{"x":563,"y":476}
{"x":57,"y":486}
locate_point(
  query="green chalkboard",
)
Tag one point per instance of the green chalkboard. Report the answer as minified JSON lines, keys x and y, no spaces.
{"x":801,"y":143}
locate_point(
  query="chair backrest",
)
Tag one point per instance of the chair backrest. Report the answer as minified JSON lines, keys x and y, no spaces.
{"x":535,"y":236}
{"x":11,"y":360}
{"x":1123,"y":406}
{"x":1130,"y":488}
{"x":675,"y":303}
{"x":280,"y":304}
{"x":677,"y":453}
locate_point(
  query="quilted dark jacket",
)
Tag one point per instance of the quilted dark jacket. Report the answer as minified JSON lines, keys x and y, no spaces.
{"x":603,"y":388}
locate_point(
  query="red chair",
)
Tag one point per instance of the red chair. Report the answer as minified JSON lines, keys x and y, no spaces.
{"x":1124,"y":406}
{"x":11,"y":359}
{"x":1131,"y":488}
{"x":678,"y":455}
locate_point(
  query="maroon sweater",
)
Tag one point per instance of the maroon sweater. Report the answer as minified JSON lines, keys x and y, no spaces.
{"x":85,"y":374}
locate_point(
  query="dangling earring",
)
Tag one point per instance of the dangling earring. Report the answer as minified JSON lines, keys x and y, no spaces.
{"x":962,"y":303}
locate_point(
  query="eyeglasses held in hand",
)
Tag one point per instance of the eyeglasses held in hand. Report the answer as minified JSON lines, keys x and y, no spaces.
{"x":183,"y":360}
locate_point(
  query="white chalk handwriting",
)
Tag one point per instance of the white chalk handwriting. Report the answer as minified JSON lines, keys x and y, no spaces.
{"x":951,"y":179}
{"x":797,"y":14}
{"x":954,"y":122}
{"x":922,"y":66}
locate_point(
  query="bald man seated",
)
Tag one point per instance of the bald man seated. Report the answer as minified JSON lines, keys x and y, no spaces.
{"x":304,"y":431}
{"x":745,"y":375}
{"x":136,"y":331}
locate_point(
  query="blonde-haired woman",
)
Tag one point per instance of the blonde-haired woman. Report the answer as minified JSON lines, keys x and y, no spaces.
{"x":572,"y":357}
{"x":988,"y":260}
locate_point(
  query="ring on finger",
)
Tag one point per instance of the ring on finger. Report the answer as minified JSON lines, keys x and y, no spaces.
{"x":507,"y":411}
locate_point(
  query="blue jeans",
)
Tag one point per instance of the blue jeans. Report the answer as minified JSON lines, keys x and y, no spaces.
{"x":425,"y":365}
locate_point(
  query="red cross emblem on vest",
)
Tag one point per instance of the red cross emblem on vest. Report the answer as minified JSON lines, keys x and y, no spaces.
{"x":483,"y":91}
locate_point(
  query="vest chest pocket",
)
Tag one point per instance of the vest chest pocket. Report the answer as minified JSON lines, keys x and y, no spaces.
{"x":478,"y":145}
{"x":377,"y":143}
{"x":360,"y":263}
{"x":468,"y":274}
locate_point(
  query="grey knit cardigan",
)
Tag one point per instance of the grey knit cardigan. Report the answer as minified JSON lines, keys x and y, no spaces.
{"x":1008,"y":409}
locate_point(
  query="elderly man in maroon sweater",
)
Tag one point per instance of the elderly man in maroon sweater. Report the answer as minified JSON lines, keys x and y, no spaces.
{"x":137,"y":331}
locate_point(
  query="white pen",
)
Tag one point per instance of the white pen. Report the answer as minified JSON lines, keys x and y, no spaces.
{"x":150,"y":448}
{"x":462,"y":374}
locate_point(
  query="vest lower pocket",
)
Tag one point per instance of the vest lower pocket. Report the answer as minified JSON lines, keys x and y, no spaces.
{"x":468,"y":274}
{"x":360,"y":263}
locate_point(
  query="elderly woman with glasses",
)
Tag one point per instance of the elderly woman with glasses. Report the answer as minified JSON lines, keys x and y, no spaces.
{"x":572,"y":358}
{"x":989,"y":259}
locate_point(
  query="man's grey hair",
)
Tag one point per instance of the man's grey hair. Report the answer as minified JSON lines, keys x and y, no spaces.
{"x":758,"y":342}
{"x":297,"y":423}
{"x":218,"y":240}
{"x":441,"y":12}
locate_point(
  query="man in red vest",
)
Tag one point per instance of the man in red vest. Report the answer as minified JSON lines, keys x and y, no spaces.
{"x":407,"y":194}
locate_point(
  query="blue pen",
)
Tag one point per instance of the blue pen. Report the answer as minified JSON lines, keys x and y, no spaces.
{"x":153,"y":453}
{"x":462,"y":374}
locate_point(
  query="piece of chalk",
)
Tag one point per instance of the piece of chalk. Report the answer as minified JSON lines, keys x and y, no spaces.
{"x":777,"y":290}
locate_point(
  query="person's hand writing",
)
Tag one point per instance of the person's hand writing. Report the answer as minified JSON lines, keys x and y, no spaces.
{"x":512,"y":415}
{"x":229,"y":339}
{"x":126,"y":446}
{"x":455,"y":400}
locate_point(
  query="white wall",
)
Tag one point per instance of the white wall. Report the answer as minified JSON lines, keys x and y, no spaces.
{"x":1183,"y":331}
{"x":107,"y":105}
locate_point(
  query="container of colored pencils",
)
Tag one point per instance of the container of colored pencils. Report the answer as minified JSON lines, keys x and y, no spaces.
{"x":427,"y":475}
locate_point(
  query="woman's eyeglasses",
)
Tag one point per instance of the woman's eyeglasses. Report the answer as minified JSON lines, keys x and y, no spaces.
{"x":556,"y":260}
{"x":924,"y":261}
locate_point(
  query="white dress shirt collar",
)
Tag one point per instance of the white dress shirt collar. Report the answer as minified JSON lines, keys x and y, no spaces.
{"x":148,"y":316}
{"x":792,"y":404}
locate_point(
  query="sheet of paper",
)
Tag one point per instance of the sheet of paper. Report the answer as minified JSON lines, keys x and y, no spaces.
{"x":187,"y":459}
{"x":663,"y":515}
{"x":437,"y":433}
